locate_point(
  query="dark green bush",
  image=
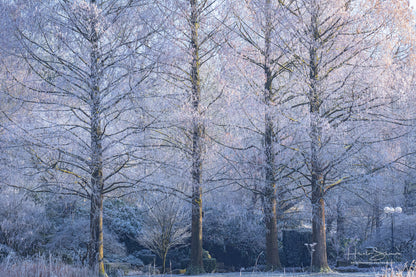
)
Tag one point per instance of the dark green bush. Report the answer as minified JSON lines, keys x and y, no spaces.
{"x":210,"y":265}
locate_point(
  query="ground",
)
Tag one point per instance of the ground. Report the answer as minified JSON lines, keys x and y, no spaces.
{"x":281,"y":274}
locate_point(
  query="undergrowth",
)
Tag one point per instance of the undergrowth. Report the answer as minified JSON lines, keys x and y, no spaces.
{"x":41,"y":268}
{"x":404,"y":271}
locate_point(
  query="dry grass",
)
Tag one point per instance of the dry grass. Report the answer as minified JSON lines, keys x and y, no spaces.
{"x":42,"y":268}
{"x":405,"y":271}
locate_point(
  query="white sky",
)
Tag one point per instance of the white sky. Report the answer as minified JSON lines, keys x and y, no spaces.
{"x":413,"y":4}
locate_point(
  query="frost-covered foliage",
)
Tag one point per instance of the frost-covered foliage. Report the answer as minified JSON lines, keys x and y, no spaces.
{"x":40,"y":267}
{"x":24,"y":227}
{"x":123,"y":221}
{"x":60,"y":226}
{"x":122,"y":218}
{"x":69,"y":238}
{"x":237,"y":236}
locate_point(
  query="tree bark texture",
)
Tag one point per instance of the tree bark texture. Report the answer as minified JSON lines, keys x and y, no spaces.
{"x":96,"y":247}
{"x":319,"y":259}
{"x":319,"y":256}
{"x":164,"y":262}
{"x":270,"y":201}
{"x":272,"y":248}
{"x":196,"y":266}
{"x":340,"y":220}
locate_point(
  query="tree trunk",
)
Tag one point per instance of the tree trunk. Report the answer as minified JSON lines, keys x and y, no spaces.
{"x":96,"y":251}
{"x":270,"y":201}
{"x":319,"y":259}
{"x":96,"y":247}
{"x":272,"y":248}
{"x":164,"y":262}
{"x":196,"y":266}
{"x":377,"y":215}
{"x":319,"y":256}
{"x":340,"y":219}
{"x":340,"y":227}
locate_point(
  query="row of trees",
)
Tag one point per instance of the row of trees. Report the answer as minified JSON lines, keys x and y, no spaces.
{"x":282,"y":98}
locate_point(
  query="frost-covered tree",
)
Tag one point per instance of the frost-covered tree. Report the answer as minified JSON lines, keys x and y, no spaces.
{"x":264,"y":68}
{"x":89,"y":60}
{"x":192,"y":40}
{"x":341,"y":47}
{"x":165,"y":226}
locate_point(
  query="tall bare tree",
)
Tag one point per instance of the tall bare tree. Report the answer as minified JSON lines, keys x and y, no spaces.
{"x":192,"y":31}
{"x":89,"y":62}
{"x":341,"y":45}
{"x":265,"y":69}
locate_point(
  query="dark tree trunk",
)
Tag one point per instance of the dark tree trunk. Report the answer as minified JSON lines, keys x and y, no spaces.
{"x":320,"y":262}
{"x":270,"y":201}
{"x":96,"y":251}
{"x":272,"y":247}
{"x":376,"y":222}
{"x":96,"y":246}
{"x":319,"y":258}
{"x":164,"y":262}
{"x":196,"y":266}
{"x":340,"y":228}
{"x":340,"y":220}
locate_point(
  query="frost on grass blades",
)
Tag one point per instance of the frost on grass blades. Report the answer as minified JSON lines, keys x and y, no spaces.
{"x":407,"y":270}
{"x":40,"y":267}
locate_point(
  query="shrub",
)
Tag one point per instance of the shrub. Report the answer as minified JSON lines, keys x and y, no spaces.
{"x":23,"y":226}
{"x":235,"y":238}
{"x":210,"y":265}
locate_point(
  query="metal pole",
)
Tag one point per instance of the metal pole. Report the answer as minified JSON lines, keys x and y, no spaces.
{"x":392,"y":233}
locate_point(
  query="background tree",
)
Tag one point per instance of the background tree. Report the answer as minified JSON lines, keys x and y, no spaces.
{"x":261,"y":83}
{"x":164,"y":227}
